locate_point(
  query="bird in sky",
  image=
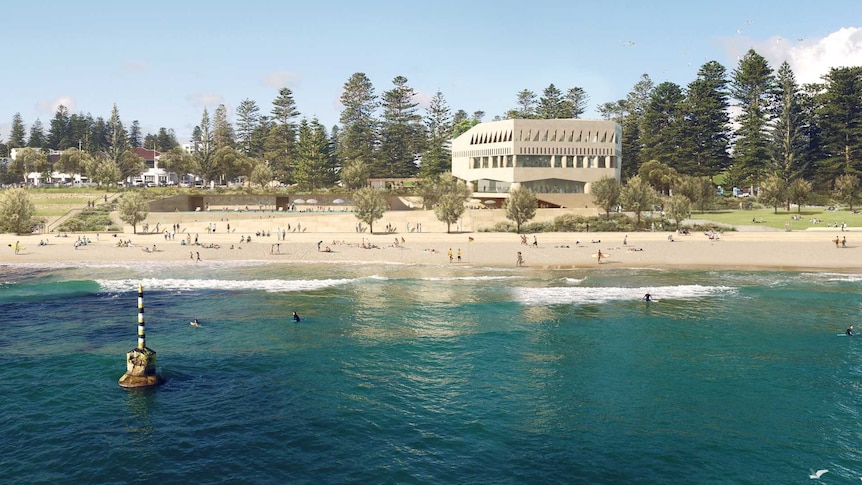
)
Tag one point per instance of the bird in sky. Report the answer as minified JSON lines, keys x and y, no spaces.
{"x":815,"y":475}
{"x":629,"y":43}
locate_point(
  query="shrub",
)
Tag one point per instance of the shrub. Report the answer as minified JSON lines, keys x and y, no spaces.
{"x":97,"y":219}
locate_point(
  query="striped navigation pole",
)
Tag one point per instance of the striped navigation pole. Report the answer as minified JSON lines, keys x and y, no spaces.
{"x":141,"y":361}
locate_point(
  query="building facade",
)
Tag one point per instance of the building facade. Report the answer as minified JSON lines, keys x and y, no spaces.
{"x":558,"y":156}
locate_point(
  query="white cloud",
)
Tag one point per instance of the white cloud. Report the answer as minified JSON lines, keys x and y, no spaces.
{"x":200,"y":100}
{"x":423,"y":99}
{"x":282,"y":79}
{"x":811,"y":58}
{"x":50,"y":106}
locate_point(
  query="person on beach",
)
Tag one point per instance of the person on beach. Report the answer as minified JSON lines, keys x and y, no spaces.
{"x":296,"y":318}
{"x":520,"y":261}
{"x":450,"y":255}
{"x":599,"y":256}
{"x":849,"y":331}
{"x":459,"y":255}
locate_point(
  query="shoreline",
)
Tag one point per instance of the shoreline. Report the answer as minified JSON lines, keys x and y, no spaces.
{"x":776,"y":251}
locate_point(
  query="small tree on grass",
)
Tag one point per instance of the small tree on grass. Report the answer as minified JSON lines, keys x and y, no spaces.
{"x":521,"y":206}
{"x":680,"y":208}
{"x":637,"y":196}
{"x":772,"y":192}
{"x":699,"y":190}
{"x":133,"y":209}
{"x":451,"y":195}
{"x":847,"y":190}
{"x":104,"y":172}
{"x":606,"y":194}
{"x":261,"y":175}
{"x":799,"y":192}
{"x":16,"y":212}
{"x":370,"y":206}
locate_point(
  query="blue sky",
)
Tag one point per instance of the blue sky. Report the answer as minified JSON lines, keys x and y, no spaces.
{"x":163,"y":61}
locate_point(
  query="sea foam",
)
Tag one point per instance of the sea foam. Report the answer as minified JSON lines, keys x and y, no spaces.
{"x":581,"y":294}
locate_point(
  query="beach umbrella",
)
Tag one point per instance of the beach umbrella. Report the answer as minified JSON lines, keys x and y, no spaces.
{"x":338,"y":201}
{"x":311,"y":201}
{"x":299,"y":201}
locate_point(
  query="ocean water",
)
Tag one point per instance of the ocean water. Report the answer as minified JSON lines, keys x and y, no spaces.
{"x":406,"y":374}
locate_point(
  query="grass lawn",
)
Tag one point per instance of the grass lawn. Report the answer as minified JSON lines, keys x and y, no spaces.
{"x":769,"y":218}
{"x":55,"y":202}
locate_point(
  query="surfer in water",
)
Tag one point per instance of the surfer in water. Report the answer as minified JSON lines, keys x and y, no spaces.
{"x":296,"y":318}
{"x":647,"y":298}
{"x":195,"y":323}
{"x":849,"y":331}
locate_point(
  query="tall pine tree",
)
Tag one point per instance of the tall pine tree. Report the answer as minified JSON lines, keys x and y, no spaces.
{"x":840,"y":116}
{"x":314,"y":167}
{"x":247,"y":121}
{"x":661,"y":125}
{"x":751,"y":85}
{"x":402,"y":134}
{"x":37,"y":135}
{"x":437,"y":158}
{"x":551,"y":104}
{"x":358,"y":126}
{"x":18,"y":133}
{"x":705,"y":136}
{"x":58,"y":130}
{"x":787,"y":134}
{"x":280,"y":140}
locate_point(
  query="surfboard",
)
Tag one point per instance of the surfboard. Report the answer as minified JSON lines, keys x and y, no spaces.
{"x":604,"y":255}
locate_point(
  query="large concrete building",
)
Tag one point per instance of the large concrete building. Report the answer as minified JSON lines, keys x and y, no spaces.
{"x":553,"y":158}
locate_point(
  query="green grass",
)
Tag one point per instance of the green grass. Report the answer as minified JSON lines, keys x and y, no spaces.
{"x":777,"y":220}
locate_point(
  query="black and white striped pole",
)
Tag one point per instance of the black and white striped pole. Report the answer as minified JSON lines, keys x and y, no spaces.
{"x":141,"y":361}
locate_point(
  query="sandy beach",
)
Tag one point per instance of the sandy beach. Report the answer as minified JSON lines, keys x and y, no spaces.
{"x":753,"y":250}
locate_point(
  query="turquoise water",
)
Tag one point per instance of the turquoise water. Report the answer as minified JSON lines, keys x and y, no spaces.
{"x":404,"y":374}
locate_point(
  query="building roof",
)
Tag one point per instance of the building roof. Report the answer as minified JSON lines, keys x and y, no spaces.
{"x":146,"y":153}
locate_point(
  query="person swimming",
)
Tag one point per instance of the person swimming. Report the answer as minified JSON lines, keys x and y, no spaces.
{"x":647,"y":298}
{"x":195,"y":323}
{"x":296,"y":317}
{"x":849,"y":331}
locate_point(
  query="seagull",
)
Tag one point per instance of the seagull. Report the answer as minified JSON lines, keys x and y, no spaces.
{"x":629,"y":43}
{"x":815,"y":475}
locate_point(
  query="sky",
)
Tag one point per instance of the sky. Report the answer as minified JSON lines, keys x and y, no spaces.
{"x":163,"y":61}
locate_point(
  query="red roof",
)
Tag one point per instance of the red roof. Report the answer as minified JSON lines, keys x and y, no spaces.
{"x":146,"y":153}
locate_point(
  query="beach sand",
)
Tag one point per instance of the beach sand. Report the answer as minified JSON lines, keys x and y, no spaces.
{"x":745,"y":250}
